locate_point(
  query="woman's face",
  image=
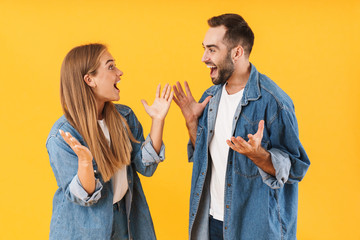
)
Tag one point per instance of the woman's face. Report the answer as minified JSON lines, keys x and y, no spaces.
{"x":105,"y":80}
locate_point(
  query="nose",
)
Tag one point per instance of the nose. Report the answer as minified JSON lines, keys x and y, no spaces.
{"x":205,"y":57}
{"x":119,"y":72}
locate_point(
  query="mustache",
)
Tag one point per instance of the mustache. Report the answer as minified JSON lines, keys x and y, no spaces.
{"x":210,"y":63}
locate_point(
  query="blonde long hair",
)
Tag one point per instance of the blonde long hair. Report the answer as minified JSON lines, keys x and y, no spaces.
{"x":79,"y":106}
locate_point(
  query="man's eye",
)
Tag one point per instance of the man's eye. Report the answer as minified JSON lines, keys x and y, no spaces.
{"x":211,"y":50}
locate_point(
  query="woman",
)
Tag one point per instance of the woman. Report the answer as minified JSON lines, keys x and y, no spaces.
{"x":96,"y":150}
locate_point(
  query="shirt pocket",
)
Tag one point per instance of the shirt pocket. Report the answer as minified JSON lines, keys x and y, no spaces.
{"x":244,"y":166}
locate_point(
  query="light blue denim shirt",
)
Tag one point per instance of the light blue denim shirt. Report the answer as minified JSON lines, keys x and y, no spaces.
{"x":76,"y":215}
{"x":256,"y":205}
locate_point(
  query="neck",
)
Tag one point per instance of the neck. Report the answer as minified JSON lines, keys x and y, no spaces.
{"x":100,"y":108}
{"x":239,"y":78}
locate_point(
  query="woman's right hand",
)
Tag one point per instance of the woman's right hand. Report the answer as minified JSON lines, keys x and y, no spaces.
{"x":83,"y":153}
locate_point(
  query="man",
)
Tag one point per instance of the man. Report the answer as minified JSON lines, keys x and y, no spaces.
{"x":244,"y":144}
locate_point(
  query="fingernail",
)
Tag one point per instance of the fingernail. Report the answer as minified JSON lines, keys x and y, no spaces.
{"x":67,"y":134}
{"x":60,"y":131}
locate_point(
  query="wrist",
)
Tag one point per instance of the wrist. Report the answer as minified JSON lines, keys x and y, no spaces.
{"x":192,"y":124}
{"x":261,"y":155}
{"x":85,"y":163}
{"x":158,"y":121}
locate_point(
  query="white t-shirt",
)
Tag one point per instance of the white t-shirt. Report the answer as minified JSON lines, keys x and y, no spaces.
{"x":219,"y":150}
{"x":119,"y":180}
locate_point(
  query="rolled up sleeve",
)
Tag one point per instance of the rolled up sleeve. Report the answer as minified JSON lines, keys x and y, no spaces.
{"x":149,"y":155}
{"x":79,"y":195}
{"x":282,"y":164}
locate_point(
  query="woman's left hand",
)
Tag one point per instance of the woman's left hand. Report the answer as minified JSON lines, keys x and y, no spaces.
{"x":161,"y":104}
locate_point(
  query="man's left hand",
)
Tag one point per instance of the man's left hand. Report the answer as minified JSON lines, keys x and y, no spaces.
{"x":250,"y":148}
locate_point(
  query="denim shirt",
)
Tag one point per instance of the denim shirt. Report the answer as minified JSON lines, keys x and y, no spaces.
{"x":79,"y":216}
{"x":256,"y":204}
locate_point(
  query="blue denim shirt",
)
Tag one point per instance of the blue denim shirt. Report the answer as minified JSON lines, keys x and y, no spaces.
{"x":79,"y":216}
{"x":256,"y":204}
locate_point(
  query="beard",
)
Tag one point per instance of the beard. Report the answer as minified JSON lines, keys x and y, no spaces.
{"x":225,"y":70}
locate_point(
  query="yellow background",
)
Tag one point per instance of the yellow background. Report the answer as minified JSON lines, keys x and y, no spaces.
{"x":310,"y":48}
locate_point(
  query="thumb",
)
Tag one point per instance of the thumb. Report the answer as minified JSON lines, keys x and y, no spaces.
{"x":260,"y":129}
{"x":144,"y":103}
{"x":206,"y":101}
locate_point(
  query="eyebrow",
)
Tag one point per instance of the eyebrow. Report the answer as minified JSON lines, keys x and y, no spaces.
{"x":210,"y":45}
{"x":110,"y":60}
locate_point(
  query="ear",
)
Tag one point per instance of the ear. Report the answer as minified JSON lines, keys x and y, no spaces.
{"x":238,"y":52}
{"x":89,"y":81}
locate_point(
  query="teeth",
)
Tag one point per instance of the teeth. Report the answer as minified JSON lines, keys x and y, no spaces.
{"x":117,"y":82}
{"x":211,"y":66}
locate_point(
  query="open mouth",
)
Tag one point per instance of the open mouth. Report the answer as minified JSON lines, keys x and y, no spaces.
{"x":116,"y":86}
{"x":213,"y":70}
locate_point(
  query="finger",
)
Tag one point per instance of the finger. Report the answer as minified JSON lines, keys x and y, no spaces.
{"x":66,"y":136}
{"x":230,"y":144}
{"x":176,"y":100}
{"x":75,"y":141}
{"x":233,"y":147}
{"x":157,"y":94}
{"x":240,"y":142}
{"x":180,"y":89}
{"x":206,"y":101}
{"x":144,"y":102}
{"x":187,"y":89}
{"x":177,"y":94}
{"x":168,"y":90}
{"x":260,"y":130}
{"x":171,"y":96}
{"x":163,"y":92}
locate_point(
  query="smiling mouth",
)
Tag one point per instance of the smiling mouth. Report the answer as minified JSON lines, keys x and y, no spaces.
{"x":212,"y":69}
{"x":116,"y":86}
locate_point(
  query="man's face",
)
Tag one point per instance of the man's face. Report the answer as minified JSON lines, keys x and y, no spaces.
{"x":217,"y":56}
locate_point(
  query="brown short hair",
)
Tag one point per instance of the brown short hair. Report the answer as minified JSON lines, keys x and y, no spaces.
{"x":237,"y":31}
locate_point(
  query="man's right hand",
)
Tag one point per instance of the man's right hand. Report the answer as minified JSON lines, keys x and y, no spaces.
{"x":190,"y":109}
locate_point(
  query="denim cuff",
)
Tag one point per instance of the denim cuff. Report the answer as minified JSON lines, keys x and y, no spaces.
{"x":282,"y":164}
{"x":190,"y":151}
{"x":79,"y":192}
{"x":149,"y":155}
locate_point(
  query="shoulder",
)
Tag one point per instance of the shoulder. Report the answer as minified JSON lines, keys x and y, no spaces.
{"x":63,"y":124}
{"x":273,"y":93}
{"x":123,"y":110}
{"x":128,"y":114}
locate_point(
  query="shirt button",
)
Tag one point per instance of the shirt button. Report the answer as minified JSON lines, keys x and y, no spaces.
{"x":230,"y":162}
{"x":192,"y":214}
{"x":229,"y":185}
{"x":202,"y":173}
{"x":129,"y":181}
{"x":227,"y":206}
{"x":210,"y":109}
{"x":225,"y":228}
{"x":235,"y":118}
{"x":211,"y":131}
{"x":197,"y":194}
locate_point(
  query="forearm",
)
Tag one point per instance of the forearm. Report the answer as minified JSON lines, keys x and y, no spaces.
{"x":156,"y":133}
{"x":192,"y":128}
{"x":262,"y":159}
{"x":86,"y":176}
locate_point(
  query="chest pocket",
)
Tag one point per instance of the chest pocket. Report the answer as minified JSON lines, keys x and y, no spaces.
{"x":244,"y":166}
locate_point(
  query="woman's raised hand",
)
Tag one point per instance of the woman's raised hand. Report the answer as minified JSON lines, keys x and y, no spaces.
{"x":160,"y":107}
{"x":83,"y":153}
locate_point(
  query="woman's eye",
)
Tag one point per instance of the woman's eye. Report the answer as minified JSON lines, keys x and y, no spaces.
{"x":111,"y":67}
